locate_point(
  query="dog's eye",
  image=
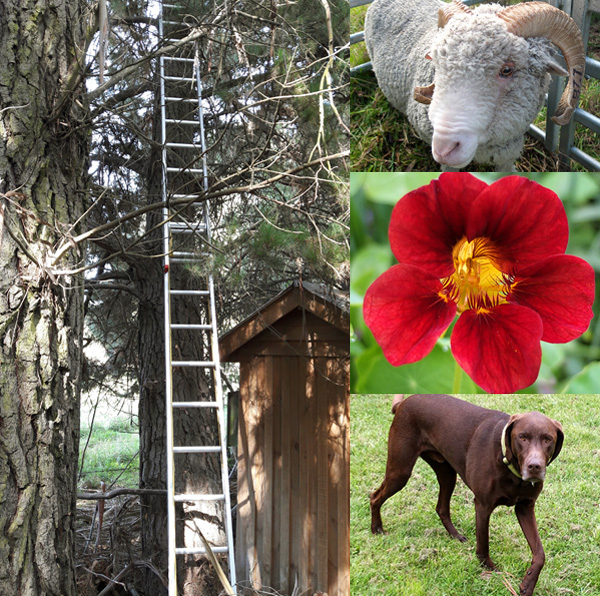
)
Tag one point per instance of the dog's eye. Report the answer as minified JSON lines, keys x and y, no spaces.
{"x":522,"y":438}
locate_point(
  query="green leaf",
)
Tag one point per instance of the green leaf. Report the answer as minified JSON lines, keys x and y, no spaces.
{"x":553,"y":356}
{"x":586,"y":381}
{"x":433,"y":374}
{"x":389,"y":188}
{"x":367,"y":265}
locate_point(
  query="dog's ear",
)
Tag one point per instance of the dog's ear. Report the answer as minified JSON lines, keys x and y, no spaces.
{"x":398,"y":399}
{"x":560,"y":437}
{"x":506,"y":440}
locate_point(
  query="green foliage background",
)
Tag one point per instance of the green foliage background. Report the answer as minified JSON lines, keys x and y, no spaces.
{"x":568,"y":368}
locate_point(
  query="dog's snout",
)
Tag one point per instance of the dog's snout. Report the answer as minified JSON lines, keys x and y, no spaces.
{"x":534,"y":468}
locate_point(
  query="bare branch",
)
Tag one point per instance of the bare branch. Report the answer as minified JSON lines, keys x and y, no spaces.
{"x":111,"y":494}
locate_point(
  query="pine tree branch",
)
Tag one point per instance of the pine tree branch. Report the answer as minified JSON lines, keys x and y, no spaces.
{"x":197,"y":33}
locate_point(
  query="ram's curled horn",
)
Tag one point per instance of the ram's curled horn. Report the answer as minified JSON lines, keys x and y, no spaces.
{"x":538,"y":19}
{"x":446,"y":13}
{"x":424,"y":94}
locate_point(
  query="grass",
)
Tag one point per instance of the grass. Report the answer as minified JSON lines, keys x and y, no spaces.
{"x":418,"y":558}
{"x":383,"y":139}
{"x":111,"y":455}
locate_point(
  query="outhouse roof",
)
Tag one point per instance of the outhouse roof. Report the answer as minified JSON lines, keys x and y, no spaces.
{"x":330,"y":306}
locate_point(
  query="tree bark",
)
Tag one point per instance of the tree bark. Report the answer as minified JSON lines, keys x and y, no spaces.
{"x":151,"y":412}
{"x":43,"y":181}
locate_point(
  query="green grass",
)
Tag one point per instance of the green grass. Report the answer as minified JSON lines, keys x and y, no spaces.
{"x":110,"y":453}
{"x":418,"y":558}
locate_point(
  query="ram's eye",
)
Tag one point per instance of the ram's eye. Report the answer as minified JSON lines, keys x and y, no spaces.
{"x":506,"y":71}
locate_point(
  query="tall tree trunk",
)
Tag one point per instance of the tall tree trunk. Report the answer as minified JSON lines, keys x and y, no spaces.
{"x":43,"y":175}
{"x":153,"y":463}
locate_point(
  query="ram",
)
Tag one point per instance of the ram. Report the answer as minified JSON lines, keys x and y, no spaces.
{"x":472,"y":81}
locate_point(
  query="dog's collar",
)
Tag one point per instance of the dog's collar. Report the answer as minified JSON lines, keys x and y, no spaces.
{"x":505,"y":460}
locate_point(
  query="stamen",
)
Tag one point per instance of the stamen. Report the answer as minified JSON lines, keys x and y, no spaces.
{"x":477,"y":282}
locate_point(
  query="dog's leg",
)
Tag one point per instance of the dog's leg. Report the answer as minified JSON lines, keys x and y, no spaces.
{"x":446,"y":476}
{"x":482,"y":523}
{"x":526,"y":515}
{"x":399,"y":469}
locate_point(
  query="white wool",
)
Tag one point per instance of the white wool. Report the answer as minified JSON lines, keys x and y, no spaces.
{"x":484,"y":114}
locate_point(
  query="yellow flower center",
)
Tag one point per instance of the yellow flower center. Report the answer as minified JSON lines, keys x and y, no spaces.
{"x":477,"y":282}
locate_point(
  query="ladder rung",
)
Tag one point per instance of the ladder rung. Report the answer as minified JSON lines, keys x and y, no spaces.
{"x":188,"y":230}
{"x":185,"y":122}
{"x":180,"y":79}
{"x":200,"y":550}
{"x":183,"y":145}
{"x":191,"y":326}
{"x":198,"y":449}
{"x":186,"y":227}
{"x":195,"y":404}
{"x":189,"y":292}
{"x":179,"y":196}
{"x":197,"y":363}
{"x":176,"y":58}
{"x":183,"y":255}
{"x":186,"y":498}
{"x":176,"y":23}
{"x":181,"y":99}
{"x":181,"y":260}
{"x":186,"y":170}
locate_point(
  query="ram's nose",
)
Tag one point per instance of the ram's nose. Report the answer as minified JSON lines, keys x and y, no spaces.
{"x":456,"y":151}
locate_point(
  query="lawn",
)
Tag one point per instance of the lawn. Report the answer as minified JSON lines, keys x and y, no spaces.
{"x":111,"y":455}
{"x":418,"y":558}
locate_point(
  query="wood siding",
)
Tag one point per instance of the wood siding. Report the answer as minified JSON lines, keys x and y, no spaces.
{"x":293,"y":450}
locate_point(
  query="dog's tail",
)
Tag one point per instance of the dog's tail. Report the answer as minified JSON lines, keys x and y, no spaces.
{"x":398,"y":399}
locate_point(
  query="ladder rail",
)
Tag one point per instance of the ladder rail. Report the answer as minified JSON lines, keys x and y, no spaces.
{"x":171,"y":531}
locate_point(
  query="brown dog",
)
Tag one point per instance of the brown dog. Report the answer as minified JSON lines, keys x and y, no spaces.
{"x":501,"y":458}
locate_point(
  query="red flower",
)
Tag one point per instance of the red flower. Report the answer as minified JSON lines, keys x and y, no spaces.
{"x":494,"y":255}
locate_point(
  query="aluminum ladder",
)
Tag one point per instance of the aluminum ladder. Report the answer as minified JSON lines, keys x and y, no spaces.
{"x":182,"y":116}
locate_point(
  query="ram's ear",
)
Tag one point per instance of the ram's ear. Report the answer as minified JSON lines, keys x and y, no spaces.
{"x":424,"y":94}
{"x":555,"y":68}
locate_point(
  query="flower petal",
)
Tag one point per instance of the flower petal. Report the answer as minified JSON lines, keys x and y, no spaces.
{"x":406,"y":314}
{"x":525,"y":221}
{"x":499,"y":348}
{"x":427,"y":222}
{"x":561,"y":289}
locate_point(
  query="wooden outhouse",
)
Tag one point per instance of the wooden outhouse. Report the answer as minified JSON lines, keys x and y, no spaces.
{"x":293,"y":444}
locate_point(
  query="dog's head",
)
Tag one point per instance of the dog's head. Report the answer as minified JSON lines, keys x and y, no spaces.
{"x":533,"y":440}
